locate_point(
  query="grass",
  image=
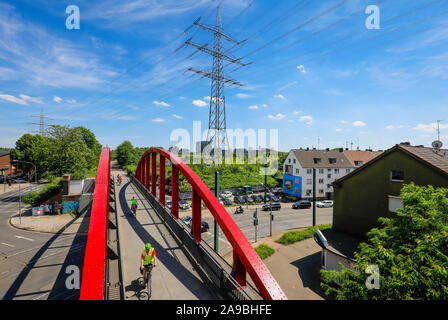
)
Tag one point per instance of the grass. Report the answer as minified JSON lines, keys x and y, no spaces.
{"x":291,"y":237}
{"x":264,"y":251}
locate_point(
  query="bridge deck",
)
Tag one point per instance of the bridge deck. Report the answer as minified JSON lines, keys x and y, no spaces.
{"x":174,"y":277}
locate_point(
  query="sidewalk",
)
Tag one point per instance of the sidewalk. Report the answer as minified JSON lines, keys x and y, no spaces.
{"x":50,"y":224}
{"x":14,"y":187}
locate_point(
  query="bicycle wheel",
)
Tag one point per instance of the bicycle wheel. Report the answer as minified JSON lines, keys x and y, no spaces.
{"x":148,"y":284}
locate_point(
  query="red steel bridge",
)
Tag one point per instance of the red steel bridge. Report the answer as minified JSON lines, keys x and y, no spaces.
{"x":150,"y":179}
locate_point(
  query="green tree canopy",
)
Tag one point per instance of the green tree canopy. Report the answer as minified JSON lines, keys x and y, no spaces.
{"x":411,"y":252}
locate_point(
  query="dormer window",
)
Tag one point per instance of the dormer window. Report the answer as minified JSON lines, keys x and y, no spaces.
{"x":358,"y":163}
{"x":332,"y":160}
{"x":317,"y":160}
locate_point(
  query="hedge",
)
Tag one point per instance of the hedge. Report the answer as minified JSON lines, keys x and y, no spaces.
{"x":291,"y":237}
{"x":37,"y":198}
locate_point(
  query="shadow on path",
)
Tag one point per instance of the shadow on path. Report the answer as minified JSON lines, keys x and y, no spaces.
{"x":309,"y":272}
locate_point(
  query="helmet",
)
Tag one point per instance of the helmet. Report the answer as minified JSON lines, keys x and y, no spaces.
{"x":147,"y":246}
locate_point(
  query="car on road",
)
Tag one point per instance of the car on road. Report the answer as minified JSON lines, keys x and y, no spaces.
{"x":169,"y":204}
{"x":325,"y":204}
{"x":20,"y":180}
{"x":184,"y":205}
{"x":275,"y":206}
{"x":226,"y":194}
{"x":302,"y":204}
{"x":204,"y":225}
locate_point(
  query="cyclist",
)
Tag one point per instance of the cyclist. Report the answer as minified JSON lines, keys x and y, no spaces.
{"x":134,"y":204}
{"x":147,"y":261}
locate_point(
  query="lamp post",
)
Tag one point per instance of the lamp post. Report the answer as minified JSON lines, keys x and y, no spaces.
{"x":270,"y":207}
{"x":35,"y":171}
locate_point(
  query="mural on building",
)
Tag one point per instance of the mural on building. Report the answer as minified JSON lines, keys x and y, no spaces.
{"x":70,"y":206}
{"x":292,"y":185}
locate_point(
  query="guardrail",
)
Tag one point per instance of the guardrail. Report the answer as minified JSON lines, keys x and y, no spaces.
{"x":245,"y":259}
{"x":93,"y":273}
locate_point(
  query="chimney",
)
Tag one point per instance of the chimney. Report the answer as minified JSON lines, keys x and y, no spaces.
{"x":65,"y":184}
{"x":405,"y":143}
{"x":342,"y":149}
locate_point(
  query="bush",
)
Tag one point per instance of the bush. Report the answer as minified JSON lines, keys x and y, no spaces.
{"x":37,"y":198}
{"x":291,"y":237}
{"x":130,"y":169}
{"x":264,"y":251}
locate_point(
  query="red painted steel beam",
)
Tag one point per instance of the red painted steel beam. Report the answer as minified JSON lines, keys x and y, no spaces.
{"x":148,"y":173}
{"x":92,"y":286}
{"x":196,"y":216}
{"x":263,"y":279}
{"x":162,"y":180}
{"x":154,"y":174}
{"x":175,"y":191}
{"x":240,"y":271}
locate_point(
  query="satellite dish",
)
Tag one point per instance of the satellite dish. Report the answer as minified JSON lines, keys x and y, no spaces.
{"x":437,"y":144}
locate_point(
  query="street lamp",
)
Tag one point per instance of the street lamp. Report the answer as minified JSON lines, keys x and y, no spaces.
{"x":270,"y":207}
{"x":35,"y":171}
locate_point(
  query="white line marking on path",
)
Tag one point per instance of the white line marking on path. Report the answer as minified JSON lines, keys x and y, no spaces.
{"x":20,"y":237}
{"x":9,"y":245}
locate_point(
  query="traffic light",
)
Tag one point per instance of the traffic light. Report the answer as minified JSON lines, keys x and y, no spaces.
{"x":255,"y":222}
{"x":272,"y":217}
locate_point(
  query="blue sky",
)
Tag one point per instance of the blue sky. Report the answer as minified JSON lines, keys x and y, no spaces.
{"x":317,"y":71}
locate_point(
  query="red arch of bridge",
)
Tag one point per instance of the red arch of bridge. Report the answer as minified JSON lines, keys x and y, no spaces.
{"x":244,"y":256}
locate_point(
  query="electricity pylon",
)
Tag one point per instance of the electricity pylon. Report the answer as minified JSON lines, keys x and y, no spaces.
{"x":217,"y":135}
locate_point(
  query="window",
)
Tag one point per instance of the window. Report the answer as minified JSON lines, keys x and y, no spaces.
{"x":395,"y":203}
{"x":309,"y":181}
{"x":329,"y":176}
{"x":397,"y":176}
{"x":321,"y":181}
{"x":289,"y":160}
{"x":321,"y":171}
{"x":328,"y":185}
{"x":317,"y":160}
{"x":321,"y":191}
{"x":297,"y":180}
{"x":358,"y":163}
{"x":288,"y":169}
{"x":329,"y":170}
{"x":347,"y":170}
{"x":294,"y":160}
{"x":332,"y":160}
{"x":297,"y":170}
{"x":308,"y":192}
{"x":309,"y":171}
{"x":336,"y":171}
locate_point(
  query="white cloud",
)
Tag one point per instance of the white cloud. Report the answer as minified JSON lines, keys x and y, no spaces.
{"x":254,"y":107}
{"x":339,"y":130}
{"x":296,"y":112}
{"x":431,"y":127}
{"x":158,"y":120}
{"x":10,"y":98}
{"x":161,"y":103}
{"x":199,"y":103}
{"x":177,"y":116}
{"x":243,"y":96}
{"x":207,"y":98}
{"x":279,"y":96}
{"x":344,"y":122}
{"x":279,"y":116}
{"x":358,"y":124}
{"x":31,"y":99}
{"x":390,"y":127}
{"x":57,"y":99}
{"x":308,"y":119}
{"x":301,"y":68}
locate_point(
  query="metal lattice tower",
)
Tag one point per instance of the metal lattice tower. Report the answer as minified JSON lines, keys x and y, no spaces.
{"x":41,"y":122}
{"x":217,"y":135}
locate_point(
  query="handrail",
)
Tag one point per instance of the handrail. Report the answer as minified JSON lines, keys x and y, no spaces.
{"x":245,"y":257}
{"x":92,"y":286}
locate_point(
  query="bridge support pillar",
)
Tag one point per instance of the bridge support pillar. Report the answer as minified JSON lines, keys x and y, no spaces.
{"x":175,"y":192}
{"x":148,"y":173}
{"x":196,"y":216}
{"x":162,"y":180}
{"x":240,"y":271}
{"x":154,"y":174}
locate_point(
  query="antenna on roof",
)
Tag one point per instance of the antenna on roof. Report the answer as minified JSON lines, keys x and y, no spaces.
{"x":438,"y":144}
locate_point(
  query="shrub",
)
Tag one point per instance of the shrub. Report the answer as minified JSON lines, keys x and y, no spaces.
{"x":291,"y":237}
{"x":264,"y":251}
{"x":37,"y":198}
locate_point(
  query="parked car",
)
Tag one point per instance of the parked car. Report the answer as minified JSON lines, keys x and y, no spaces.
{"x":258,"y":198}
{"x":325,"y":204}
{"x":169,"y":204}
{"x":277,"y":190}
{"x":204,"y":225}
{"x":227,"y":202}
{"x":275,"y":198}
{"x":20,"y":180}
{"x":268,"y":197}
{"x":239,"y":199}
{"x":226,"y":194}
{"x":302,"y":204}
{"x":275,"y":206}
{"x":184,"y":205}
{"x":248,"y":199}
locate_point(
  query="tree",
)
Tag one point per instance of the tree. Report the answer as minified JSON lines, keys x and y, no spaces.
{"x":410,"y":250}
{"x":126,"y":154}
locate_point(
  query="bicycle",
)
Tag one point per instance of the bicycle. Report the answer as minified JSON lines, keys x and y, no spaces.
{"x":134,"y":209}
{"x":148,"y":278}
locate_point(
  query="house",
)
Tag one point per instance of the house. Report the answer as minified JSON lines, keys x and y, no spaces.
{"x":5,"y":163}
{"x":329,"y":164}
{"x":373,"y":191}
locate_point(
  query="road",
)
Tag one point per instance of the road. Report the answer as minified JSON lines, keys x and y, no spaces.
{"x":33,"y":264}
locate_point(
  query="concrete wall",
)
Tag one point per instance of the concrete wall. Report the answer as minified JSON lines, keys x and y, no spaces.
{"x":76,"y":186}
{"x":364,"y":197}
{"x":331,"y":260}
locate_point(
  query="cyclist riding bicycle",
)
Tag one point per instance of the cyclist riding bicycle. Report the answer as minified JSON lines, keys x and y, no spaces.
{"x":147,"y":261}
{"x":134,"y":204}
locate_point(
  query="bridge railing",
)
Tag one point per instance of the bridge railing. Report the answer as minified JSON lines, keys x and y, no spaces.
{"x":245,"y":259}
{"x":93,"y":274}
